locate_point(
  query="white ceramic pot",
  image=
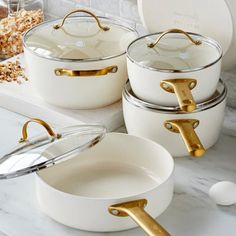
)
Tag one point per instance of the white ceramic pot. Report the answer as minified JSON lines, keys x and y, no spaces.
{"x":174,"y":68}
{"x":169,"y":126}
{"x":80,"y":63}
{"x":95,"y":179}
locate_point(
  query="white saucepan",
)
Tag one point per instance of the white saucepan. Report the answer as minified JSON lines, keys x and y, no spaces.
{"x":174,"y":68}
{"x":105,"y":177}
{"x":78,"y":62}
{"x":170,"y":126}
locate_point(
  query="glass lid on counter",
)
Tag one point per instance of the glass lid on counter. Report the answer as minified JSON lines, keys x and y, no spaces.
{"x":79,"y":38}
{"x":174,"y":51}
{"x":34,"y":154}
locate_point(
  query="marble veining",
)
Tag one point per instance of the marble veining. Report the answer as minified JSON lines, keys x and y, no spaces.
{"x":190,"y":213}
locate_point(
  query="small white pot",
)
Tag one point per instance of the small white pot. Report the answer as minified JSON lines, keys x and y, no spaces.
{"x":80,"y":64}
{"x":166,"y":125}
{"x":179,"y":68}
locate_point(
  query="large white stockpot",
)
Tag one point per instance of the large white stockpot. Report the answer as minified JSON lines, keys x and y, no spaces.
{"x":78,"y":62}
{"x":169,"y":126}
{"x":215,"y":19}
{"x":174,"y":67}
{"x":95,"y":179}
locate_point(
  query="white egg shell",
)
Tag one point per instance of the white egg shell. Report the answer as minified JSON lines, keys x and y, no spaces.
{"x":223,"y":193}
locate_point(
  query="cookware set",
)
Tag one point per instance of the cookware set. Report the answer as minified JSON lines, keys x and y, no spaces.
{"x":174,"y":88}
{"x":92,"y":180}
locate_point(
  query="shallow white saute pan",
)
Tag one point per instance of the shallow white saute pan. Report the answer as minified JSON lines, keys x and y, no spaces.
{"x":105,"y":177}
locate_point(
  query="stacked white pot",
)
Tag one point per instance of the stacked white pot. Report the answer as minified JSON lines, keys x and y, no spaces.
{"x":175,"y":88}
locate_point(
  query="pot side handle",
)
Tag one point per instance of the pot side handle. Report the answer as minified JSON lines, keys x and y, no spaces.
{"x":186,"y":128}
{"x":182,"y":89}
{"x":76,"y":73}
{"x":135,"y":209}
{"x":104,"y":28}
{"x":196,"y":42}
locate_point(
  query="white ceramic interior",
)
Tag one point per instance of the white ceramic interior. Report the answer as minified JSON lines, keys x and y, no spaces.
{"x":120,"y":168}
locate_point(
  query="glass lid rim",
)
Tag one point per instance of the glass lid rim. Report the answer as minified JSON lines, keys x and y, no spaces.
{"x":39,"y":26}
{"x":135,"y":101}
{"x":206,"y":39}
{"x":53,"y":161}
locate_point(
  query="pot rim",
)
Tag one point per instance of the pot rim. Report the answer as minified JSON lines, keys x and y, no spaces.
{"x":124,"y":198}
{"x":112,"y":21}
{"x":203,"y":38}
{"x":216,"y":99}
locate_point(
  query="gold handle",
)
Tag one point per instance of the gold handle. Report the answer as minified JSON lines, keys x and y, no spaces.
{"x":74,"y":73}
{"x":135,"y":209}
{"x":104,"y":28}
{"x":182,"y":89}
{"x":186,"y":128}
{"x":41,"y":122}
{"x":196,"y":42}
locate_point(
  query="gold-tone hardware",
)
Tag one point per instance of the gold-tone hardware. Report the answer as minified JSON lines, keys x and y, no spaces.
{"x":41,"y":122}
{"x":182,"y":89}
{"x":74,"y":73}
{"x":196,"y":42}
{"x":186,"y":128}
{"x":135,"y":209}
{"x":104,"y":28}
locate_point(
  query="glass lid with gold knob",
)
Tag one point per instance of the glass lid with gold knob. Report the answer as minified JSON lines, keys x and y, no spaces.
{"x":34,"y":154}
{"x":174,"y":50}
{"x":83,"y":38}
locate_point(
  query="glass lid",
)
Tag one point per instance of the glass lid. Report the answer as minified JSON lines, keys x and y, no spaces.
{"x":174,"y":51}
{"x":46,"y":150}
{"x":79,"y":38}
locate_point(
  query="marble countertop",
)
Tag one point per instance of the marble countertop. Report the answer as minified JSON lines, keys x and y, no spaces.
{"x":190,"y":213}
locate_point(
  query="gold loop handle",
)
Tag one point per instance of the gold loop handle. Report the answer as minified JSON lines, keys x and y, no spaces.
{"x":182,"y":88}
{"x":75,"y":73}
{"x":104,"y":28}
{"x":186,"y":128}
{"x":196,"y":42}
{"x":135,"y":209}
{"x":41,"y":122}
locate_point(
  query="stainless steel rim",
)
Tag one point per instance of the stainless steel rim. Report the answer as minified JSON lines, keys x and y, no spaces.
{"x":202,"y":38}
{"x":114,"y":22}
{"x":217,"y":98}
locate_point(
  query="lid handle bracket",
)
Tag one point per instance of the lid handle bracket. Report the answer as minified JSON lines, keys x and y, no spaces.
{"x":104,"y":28}
{"x":38,"y":121}
{"x":152,"y":45}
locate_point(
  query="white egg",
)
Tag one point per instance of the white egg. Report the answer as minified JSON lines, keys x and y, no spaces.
{"x":223,"y":193}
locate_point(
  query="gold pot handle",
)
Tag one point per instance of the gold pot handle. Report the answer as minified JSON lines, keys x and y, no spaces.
{"x":104,"y":28}
{"x":182,"y":89}
{"x":76,"y":73}
{"x":38,"y":121}
{"x":135,"y":209}
{"x":196,"y":42}
{"x":186,"y":128}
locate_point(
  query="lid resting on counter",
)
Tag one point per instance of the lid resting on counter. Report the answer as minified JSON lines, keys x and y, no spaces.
{"x":44,"y":151}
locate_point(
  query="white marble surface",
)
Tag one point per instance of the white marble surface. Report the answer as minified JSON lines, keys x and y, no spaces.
{"x":190,"y":213}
